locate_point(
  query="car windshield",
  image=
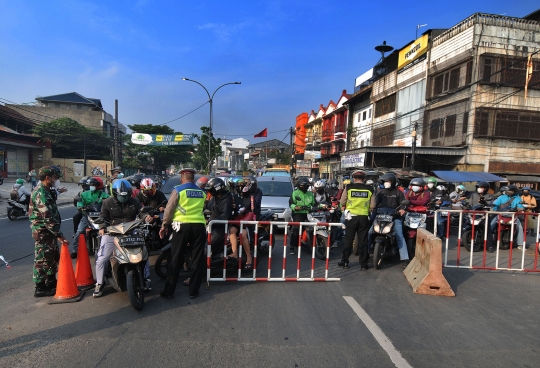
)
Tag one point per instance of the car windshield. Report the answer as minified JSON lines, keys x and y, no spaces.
{"x":276,"y":173}
{"x":275,"y":188}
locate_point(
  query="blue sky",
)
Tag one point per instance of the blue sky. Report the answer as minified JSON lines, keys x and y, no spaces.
{"x":290,"y":56}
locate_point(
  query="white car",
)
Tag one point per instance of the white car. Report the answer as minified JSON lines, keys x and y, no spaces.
{"x":276,"y":191}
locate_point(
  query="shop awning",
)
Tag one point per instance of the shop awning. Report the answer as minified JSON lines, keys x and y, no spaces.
{"x":466,"y":176}
{"x":523,"y":179}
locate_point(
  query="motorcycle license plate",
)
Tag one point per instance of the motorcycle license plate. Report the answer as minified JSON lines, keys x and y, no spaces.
{"x":93,"y":214}
{"x":131,"y":241}
{"x":414,"y":214}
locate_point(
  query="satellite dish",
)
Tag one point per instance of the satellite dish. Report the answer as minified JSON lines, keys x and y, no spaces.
{"x":384,"y":48}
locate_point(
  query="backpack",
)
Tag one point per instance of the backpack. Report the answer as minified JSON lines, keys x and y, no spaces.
{"x":14,"y":195}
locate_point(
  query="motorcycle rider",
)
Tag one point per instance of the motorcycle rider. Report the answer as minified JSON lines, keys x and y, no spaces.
{"x":434,"y":191}
{"x":150,"y":196}
{"x":356,"y":201}
{"x":332,"y":189}
{"x":392,"y":197}
{"x":77,"y":217}
{"x":306,"y":199}
{"x":481,"y":195}
{"x":93,"y":196}
{"x":23,"y":194}
{"x":530,"y":201}
{"x":118,"y":208}
{"x":509,"y":201}
{"x":416,"y":194}
{"x":320,"y":194}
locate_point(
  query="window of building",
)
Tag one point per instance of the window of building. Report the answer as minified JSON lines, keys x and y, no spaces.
{"x":450,"y":126}
{"x":385,"y":105}
{"x":359,"y":115}
{"x":383,"y":136}
{"x":435,"y":128}
{"x":509,"y":71}
{"x":369,"y":114}
{"x":364,"y":115}
{"x":481,"y":124}
{"x":446,"y":81}
{"x":361,"y":143}
{"x":465,"y":122}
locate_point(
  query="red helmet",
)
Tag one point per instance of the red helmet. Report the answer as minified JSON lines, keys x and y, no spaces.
{"x":201,"y":182}
{"x":95,"y":181}
{"x":148,"y":187}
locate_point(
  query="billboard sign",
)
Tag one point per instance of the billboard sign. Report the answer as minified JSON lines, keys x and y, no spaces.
{"x":354,"y":160}
{"x":162,"y":139}
{"x":412,"y":52}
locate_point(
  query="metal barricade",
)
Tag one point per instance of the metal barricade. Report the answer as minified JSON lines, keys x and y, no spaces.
{"x":478,"y":224}
{"x":272,"y":225}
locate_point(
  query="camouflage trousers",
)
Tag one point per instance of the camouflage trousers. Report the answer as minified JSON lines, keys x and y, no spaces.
{"x":46,"y":256}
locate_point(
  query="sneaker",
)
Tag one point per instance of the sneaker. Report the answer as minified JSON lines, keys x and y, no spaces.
{"x":404,"y":264}
{"x":291,"y":251}
{"x":520,"y":247}
{"x":491,"y":250}
{"x":98,"y":291}
{"x":73,"y":255}
{"x":147,"y":285}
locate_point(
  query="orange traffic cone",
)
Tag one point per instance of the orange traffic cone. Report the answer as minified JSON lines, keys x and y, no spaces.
{"x":66,"y":287}
{"x":83,"y":271}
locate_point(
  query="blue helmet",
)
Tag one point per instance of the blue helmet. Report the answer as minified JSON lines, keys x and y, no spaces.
{"x":122,"y":187}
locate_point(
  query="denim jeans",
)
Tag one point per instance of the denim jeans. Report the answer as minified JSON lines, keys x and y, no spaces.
{"x":80,"y":230}
{"x":398,"y":232}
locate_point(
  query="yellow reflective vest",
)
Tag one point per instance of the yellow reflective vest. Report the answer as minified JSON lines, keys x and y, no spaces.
{"x":359,"y":198}
{"x":190,"y":204}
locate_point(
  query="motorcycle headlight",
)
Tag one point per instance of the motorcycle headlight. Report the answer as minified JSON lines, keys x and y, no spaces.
{"x":135,"y":258}
{"x":387,"y":229}
{"x":376,"y":227}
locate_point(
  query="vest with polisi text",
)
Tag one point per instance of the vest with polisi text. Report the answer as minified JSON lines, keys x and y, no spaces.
{"x":190,"y":204}
{"x":358,"y":198}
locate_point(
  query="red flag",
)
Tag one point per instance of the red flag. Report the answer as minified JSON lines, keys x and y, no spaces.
{"x":263,"y":133}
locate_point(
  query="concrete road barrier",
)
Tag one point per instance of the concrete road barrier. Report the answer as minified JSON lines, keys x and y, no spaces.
{"x":424,"y":273}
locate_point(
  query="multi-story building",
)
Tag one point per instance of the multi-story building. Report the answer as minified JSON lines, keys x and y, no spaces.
{"x":232,"y":154}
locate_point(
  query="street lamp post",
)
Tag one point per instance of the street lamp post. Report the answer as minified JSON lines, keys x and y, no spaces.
{"x":210,"y":101}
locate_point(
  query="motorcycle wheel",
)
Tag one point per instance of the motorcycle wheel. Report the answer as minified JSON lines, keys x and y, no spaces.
{"x":377,"y":256}
{"x":135,"y":290}
{"x":162,"y":262}
{"x":320,"y":248}
{"x":505,"y":240}
{"x":476,"y":242}
{"x":11,"y":215}
{"x":90,"y":245}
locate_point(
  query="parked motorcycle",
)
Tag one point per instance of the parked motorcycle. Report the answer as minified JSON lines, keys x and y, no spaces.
{"x":128,"y":259}
{"x":384,"y":240}
{"x":16,"y":210}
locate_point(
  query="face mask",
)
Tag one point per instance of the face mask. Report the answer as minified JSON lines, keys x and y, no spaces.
{"x":120,"y":176}
{"x":480,"y":190}
{"x":509,"y":193}
{"x":56,"y":183}
{"x":303,"y":189}
{"x":122,"y":198}
{"x":526,"y":193}
{"x":415,"y":188}
{"x":430,"y":185}
{"x":92,"y":188}
{"x":387,"y":185}
{"x":334,"y":185}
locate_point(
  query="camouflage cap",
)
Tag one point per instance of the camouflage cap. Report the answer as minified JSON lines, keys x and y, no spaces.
{"x":50,"y":171}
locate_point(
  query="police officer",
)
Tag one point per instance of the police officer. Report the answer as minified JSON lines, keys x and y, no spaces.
{"x":185,"y":212}
{"x":45,"y":224}
{"x":356,"y":199}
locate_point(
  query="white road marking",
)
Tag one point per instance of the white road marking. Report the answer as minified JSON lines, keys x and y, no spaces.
{"x":377,"y":333}
{"x":67,"y":219}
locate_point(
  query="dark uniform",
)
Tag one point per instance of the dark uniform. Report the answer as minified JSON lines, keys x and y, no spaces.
{"x":356,"y":198}
{"x":185,"y":212}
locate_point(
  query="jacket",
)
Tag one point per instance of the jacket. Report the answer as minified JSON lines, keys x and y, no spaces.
{"x":221,"y":207}
{"x":531,"y":201}
{"x":474,"y":199}
{"x":390,"y":198}
{"x":305,"y":199}
{"x":257,"y":199}
{"x":418,"y":199}
{"x":153,"y":201}
{"x":88,"y":197}
{"x":115,"y":212}
{"x":500,"y":203}
{"x":44,"y":215}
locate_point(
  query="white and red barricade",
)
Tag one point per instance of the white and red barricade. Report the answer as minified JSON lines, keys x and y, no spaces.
{"x":506,"y":255}
{"x":273,"y":225}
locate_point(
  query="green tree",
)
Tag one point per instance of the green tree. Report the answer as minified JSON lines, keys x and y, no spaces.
{"x":138,"y":156}
{"x":69,"y":139}
{"x":200,"y":157}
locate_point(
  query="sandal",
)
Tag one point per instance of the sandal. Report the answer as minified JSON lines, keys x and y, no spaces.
{"x":248,"y":266}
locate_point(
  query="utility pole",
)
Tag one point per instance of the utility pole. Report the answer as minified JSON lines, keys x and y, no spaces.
{"x":292,"y":133}
{"x":115,"y":161}
{"x":413,"y":145}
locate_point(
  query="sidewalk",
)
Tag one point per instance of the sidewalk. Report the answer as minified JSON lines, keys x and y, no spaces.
{"x":63,"y":199}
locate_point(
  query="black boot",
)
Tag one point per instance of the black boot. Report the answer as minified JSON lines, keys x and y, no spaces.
{"x":42,"y":290}
{"x":344,"y":264}
{"x":51,"y":283}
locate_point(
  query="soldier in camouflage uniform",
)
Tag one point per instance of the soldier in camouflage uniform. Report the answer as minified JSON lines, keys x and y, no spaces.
{"x":45,"y":224}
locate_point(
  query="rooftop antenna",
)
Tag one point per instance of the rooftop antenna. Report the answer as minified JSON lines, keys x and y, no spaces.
{"x":383,"y":49}
{"x":417,"y":28}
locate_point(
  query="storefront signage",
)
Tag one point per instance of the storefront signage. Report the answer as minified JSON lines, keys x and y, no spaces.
{"x":354,"y":160}
{"x":162,"y":139}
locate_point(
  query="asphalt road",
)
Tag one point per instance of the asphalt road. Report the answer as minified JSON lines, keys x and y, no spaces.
{"x":371,"y":318}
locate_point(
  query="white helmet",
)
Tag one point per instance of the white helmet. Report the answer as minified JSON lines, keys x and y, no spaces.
{"x":319,"y":184}
{"x":369,"y":182}
{"x":310,"y":180}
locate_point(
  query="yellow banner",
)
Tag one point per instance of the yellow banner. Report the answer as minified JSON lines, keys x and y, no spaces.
{"x":413,"y":51}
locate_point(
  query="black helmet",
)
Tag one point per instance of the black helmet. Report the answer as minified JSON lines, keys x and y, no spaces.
{"x":334,"y":183}
{"x":251,"y":184}
{"x":512,"y":188}
{"x":418,"y":181}
{"x":503,"y":189}
{"x":388,"y":177}
{"x":83,"y":184}
{"x":482,"y":184}
{"x":215,"y":186}
{"x":302,"y":181}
